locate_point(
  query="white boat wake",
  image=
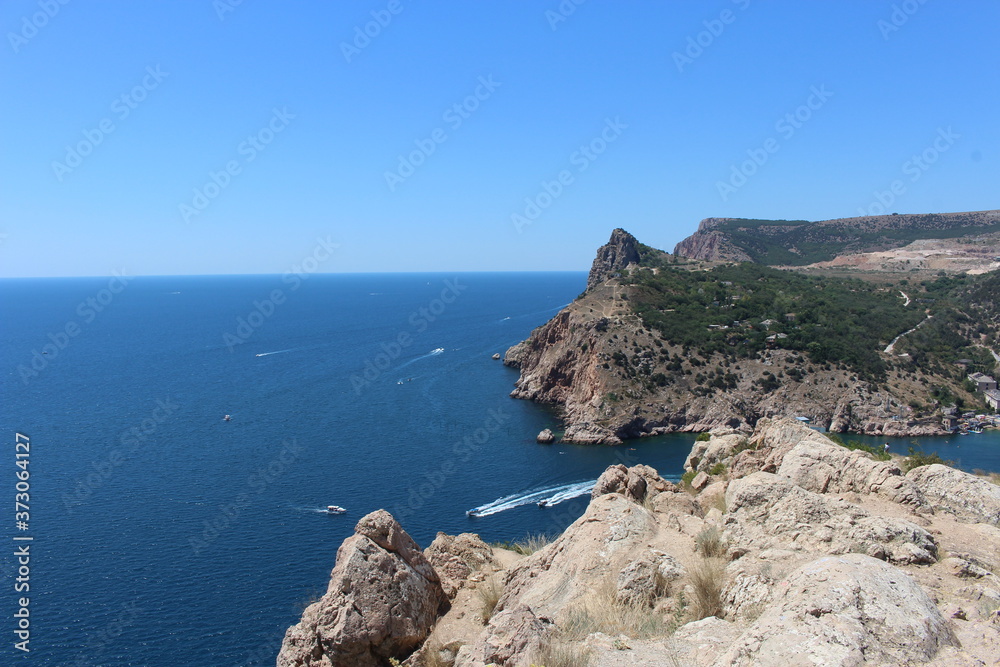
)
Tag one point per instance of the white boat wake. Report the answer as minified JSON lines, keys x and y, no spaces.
{"x":267,"y":354}
{"x":547,"y":497}
{"x":433,"y":353}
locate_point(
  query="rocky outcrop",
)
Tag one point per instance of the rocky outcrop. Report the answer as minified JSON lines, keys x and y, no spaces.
{"x":454,"y":558}
{"x":709,"y":245}
{"x":545,"y":437}
{"x":844,"y":610}
{"x":382,"y":600}
{"x":613,"y":257}
{"x":767,"y":511}
{"x":968,"y":497}
{"x":634,"y":483}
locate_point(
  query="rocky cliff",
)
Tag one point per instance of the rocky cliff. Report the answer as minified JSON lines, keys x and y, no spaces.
{"x":612,"y":372}
{"x":795,"y":551}
{"x":614,"y":256}
{"x":799,"y":242}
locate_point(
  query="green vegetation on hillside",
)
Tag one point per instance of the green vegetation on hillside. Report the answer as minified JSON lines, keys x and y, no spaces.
{"x":735,"y":309}
{"x":740,"y":310}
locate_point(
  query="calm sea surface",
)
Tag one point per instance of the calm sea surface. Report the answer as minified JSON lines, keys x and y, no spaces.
{"x":163,"y":535}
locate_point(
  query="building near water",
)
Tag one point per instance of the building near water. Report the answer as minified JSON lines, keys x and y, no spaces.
{"x":983,"y":382}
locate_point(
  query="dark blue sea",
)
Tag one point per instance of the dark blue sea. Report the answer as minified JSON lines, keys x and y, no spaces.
{"x":162,"y":535}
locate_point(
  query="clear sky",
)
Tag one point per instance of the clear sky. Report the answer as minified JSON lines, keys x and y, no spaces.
{"x":201,"y":137}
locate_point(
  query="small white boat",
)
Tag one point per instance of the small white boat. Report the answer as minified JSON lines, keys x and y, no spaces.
{"x":335,"y":509}
{"x":227,"y":418}
{"x":543,"y":503}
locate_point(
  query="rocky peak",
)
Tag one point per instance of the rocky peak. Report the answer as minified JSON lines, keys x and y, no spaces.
{"x":620,"y":251}
{"x":382,"y":600}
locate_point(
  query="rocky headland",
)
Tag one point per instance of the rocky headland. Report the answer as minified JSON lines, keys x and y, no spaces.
{"x":784,"y":549}
{"x":612,"y":374}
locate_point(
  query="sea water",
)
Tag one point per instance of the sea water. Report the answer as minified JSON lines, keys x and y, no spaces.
{"x":164,"y":535}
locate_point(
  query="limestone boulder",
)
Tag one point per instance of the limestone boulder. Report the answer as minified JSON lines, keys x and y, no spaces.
{"x":382,"y":600}
{"x":825,"y":467}
{"x":717,"y":449}
{"x":767,"y":511}
{"x":545,"y":437}
{"x":510,"y":638}
{"x":634,"y":483}
{"x":844,"y":610}
{"x":967,"y":497}
{"x":455,"y":557}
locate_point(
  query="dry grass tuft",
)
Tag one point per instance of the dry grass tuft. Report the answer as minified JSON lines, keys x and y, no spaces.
{"x":489,"y":591}
{"x":709,"y":543}
{"x":603,"y":613}
{"x":556,"y":653}
{"x":708,"y":578}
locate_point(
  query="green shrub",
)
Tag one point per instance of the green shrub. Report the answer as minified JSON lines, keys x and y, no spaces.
{"x":917,"y":458}
{"x":687,"y":477}
{"x":718,"y":469}
{"x":702,"y":437}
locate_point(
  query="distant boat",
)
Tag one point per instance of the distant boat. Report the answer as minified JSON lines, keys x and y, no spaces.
{"x":335,"y":509}
{"x":227,"y":418}
{"x":543,"y":503}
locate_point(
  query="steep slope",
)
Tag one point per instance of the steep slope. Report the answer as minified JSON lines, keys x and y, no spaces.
{"x":657,"y":346}
{"x":799,"y":242}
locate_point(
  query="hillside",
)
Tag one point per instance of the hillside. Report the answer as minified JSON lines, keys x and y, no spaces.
{"x":800,"y":243}
{"x":657,"y":344}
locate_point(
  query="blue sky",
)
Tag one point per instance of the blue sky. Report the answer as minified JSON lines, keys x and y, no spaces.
{"x":642,"y":115}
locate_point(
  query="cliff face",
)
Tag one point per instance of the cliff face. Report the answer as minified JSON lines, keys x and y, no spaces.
{"x":795,"y":551}
{"x":800,"y":242}
{"x":572,"y":362}
{"x":613,"y":257}
{"x":613,"y":374}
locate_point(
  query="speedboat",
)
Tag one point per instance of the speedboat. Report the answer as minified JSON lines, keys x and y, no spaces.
{"x":471,"y":513}
{"x":335,"y":509}
{"x":543,"y":503}
{"x":226,"y":418}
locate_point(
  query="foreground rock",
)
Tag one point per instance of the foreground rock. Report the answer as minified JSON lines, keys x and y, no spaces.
{"x":382,"y":600}
{"x":545,"y":437}
{"x":800,"y":553}
{"x":844,"y":610}
{"x":968,"y":497}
